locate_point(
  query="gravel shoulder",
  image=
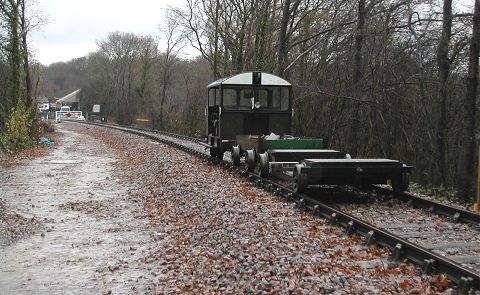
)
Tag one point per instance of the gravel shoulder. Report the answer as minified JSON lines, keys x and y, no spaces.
{"x":122,"y":214}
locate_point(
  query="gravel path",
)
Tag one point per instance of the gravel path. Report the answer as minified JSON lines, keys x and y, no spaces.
{"x":68,"y":225}
{"x":212,"y":232}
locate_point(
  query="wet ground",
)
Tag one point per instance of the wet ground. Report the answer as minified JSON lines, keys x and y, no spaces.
{"x":111,"y":212}
{"x":67,"y":225}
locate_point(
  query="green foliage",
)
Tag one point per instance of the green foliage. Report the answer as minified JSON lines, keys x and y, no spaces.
{"x":18,"y":133}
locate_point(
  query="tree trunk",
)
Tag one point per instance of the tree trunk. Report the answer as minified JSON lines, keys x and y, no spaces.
{"x":162,"y":104}
{"x":282,"y":39}
{"x":357,"y":77}
{"x":359,"y":36}
{"x":443,"y":73}
{"x":261,"y":36}
{"x":216,"y":73}
{"x":466,"y":171}
{"x":15,"y":57}
{"x":26,"y":64}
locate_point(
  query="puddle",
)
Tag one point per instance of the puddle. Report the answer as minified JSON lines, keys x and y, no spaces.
{"x":63,"y":162}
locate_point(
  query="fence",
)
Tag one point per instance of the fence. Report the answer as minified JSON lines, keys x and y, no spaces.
{"x":68,"y":116}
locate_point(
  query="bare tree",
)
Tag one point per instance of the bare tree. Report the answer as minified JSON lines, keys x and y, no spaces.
{"x":121,"y":52}
{"x":145,"y":90}
{"x":200,"y":23}
{"x":443,"y":73}
{"x":174,"y":43}
{"x":467,"y":163}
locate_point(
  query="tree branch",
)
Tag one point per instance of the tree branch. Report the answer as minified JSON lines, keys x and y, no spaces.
{"x":319,"y":34}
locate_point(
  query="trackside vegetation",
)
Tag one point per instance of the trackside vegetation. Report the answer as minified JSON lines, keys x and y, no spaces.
{"x":18,"y":128}
{"x":17,"y":105}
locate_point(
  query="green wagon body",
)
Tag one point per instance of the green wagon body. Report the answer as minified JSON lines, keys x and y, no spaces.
{"x":293,"y":144}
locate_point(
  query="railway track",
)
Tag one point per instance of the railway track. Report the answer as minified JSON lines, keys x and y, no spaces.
{"x":404,"y":244}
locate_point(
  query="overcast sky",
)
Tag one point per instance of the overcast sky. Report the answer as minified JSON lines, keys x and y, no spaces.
{"x":74,"y":25}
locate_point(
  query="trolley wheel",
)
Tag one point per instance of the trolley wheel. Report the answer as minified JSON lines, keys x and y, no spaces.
{"x":264,"y":164}
{"x":213,"y":152}
{"x":401,"y":182}
{"x":236,"y":155}
{"x":220,"y":154}
{"x":251,"y":160}
{"x":300,"y":180}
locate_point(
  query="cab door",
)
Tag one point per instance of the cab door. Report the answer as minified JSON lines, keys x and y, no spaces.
{"x":213,"y":112}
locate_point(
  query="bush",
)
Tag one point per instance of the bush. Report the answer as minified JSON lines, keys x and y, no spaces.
{"x":18,"y":133}
{"x":43,"y":127}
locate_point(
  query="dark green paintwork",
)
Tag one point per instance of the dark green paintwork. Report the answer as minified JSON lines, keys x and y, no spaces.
{"x":293,"y":144}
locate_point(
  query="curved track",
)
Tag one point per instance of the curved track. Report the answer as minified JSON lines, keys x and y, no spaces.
{"x":402,"y":247}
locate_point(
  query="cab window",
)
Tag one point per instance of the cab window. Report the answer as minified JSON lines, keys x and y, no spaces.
{"x":229,"y":98}
{"x":274,"y":98}
{"x":281,"y":98}
{"x":263,"y":98}
{"x":284,"y":98}
{"x":217,"y":97}
{"x":246,"y":95}
{"x":211,"y":97}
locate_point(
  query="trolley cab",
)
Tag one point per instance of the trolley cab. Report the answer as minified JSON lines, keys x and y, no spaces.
{"x":250,"y":103}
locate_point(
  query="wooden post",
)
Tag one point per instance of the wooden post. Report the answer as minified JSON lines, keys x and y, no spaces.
{"x":477,"y":204}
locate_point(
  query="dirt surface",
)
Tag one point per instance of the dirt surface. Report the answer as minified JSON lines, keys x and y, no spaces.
{"x":110,"y":212}
{"x":67,"y":225}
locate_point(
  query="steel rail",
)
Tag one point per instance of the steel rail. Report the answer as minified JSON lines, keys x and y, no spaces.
{"x":429,"y":261}
{"x":457,"y":214}
{"x":193,"y":139}
{"x":401,"y":248}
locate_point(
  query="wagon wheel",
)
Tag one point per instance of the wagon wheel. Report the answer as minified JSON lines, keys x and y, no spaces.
{"x":401,"y":182}
{"x":213,"y":152}
{"x":300,"y":179}
{"x":264,"y":165}
{"x":251,"y":160}
{"x":236,"y":155}
{"x":220,"y":154}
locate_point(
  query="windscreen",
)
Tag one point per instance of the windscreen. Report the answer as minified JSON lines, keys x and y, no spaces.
{"x":263,"y":97}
